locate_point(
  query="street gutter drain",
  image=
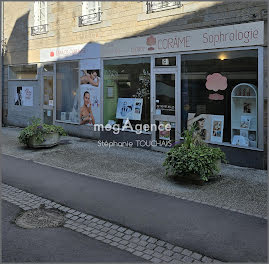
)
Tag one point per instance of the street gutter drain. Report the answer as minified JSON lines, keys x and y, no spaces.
{"x":40,"y":218}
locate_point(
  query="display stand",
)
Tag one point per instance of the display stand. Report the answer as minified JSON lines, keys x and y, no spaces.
{"x":244,"y":115}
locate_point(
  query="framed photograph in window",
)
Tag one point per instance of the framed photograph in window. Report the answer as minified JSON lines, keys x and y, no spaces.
{"x":217,"y":124}
{"x":245,"y":122}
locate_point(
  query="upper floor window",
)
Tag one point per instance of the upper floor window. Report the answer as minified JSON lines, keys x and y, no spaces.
{"x":91,"y":13}
{"x":153,"y":6}
{"x":40,"y":18}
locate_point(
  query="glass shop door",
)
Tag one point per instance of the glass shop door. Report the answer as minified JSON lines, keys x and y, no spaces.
{"x":48,"y":94}
{"x":164,"y":107}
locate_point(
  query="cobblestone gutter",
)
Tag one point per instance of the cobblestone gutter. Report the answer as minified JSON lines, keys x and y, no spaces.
{"x":149,"y":248}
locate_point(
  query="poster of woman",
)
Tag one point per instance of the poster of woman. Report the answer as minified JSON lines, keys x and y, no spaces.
{"x":90,"y":96}
{"x":18,"y":96}
{"x":23,"y":96}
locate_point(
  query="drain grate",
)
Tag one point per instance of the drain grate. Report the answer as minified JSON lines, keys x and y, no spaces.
{"x":40,"y":218}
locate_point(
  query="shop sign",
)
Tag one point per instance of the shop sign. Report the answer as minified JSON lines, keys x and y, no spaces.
{"x":248,"y":34}
{"x":76,"y":52}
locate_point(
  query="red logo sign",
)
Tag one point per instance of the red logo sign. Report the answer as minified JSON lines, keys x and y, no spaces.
{"x":51,"y":54}
{"x":151,"y":41}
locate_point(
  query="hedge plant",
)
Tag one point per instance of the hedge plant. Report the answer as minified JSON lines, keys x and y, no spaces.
{"x":193,"y":157}
{"x":39,"y":130}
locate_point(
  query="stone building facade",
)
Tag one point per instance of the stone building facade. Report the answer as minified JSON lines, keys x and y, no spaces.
{"x":100,"y":36}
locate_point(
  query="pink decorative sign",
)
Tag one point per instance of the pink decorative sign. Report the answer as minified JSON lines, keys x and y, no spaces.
{"x":216,"y":97}
{"x":216,"y":82}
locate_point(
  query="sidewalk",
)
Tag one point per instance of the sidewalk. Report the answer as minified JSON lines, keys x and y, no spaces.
{"x":179,"y":230}
{"x":239,"y":189}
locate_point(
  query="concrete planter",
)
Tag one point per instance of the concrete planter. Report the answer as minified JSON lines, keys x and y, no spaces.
{"x":51,"y":139}
{"x":193,"y":178}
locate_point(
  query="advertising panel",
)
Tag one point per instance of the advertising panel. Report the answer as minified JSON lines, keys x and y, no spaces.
{"x":90,"y":87}
{"x":23,"y":96}
{"x":129,"y":108}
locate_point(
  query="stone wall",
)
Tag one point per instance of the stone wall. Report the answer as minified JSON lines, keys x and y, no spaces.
{"x":119,"y":20}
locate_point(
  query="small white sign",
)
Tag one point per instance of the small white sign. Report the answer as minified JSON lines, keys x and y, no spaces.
{"x":50,"y":102}
{"x":165,"y":61}
{"x":158,"y":112}
{"x":110,"y":92}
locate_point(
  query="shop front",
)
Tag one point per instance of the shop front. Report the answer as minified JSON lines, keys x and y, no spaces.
{"x":213,"y":78}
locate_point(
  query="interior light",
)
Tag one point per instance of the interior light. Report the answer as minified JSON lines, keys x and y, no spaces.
{"x":222,"y":57}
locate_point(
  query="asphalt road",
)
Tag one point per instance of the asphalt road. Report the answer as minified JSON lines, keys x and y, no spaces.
{"x":53,"y":244}
{"x":215,"y":232}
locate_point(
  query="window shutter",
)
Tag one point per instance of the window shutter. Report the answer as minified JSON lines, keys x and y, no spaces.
{"x":92,"y":6}
{"x":36,"y":13}
{"x":40,"y":13}
{"x":43,"y":13}
{"x":89,"y":7}
{"x":85,"y":8}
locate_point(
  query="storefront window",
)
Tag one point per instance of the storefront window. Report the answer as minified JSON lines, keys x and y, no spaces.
{"x":219,"y":95}
{"x":165,"y":94}
{"x":67,"y":105}
{"x":127,"y":91}
{"x":23,"y":72}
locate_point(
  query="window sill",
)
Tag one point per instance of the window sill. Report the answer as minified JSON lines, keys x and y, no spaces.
{"x":226,"y":144}
{"x":39,"y":33}
{"x":89,"y":24}
{"x":48,"y":34}
{"x":233,"y":146}
{"x":66,"y":122}
{"x":22,"y":80}
{"x":97,"y":25}
{"x":160,"y":13}
{"x":164,"y":9}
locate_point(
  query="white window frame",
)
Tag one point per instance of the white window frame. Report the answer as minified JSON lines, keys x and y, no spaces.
{"x":90,"y":13}
{"x":11,"y":65}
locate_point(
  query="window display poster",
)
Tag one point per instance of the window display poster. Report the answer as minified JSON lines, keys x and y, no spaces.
{"x":245,"y":122}
{"x":217,"y":124}
{"x":240,"y":141}
{"x":90,"y":96}
{"x":130,"y":108}
{"x":202,"y":122}
{"x":244,"y":133}
{"x":23,"y":96}
{"x":247,"y":108}
{"x":164,"y":134}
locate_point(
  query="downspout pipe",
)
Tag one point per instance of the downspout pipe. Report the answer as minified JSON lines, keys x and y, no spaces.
{"x":2,"y":60}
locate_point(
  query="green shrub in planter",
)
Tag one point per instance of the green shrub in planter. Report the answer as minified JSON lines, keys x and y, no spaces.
{"x":193,"y":158}
{"x":39,"y":132}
